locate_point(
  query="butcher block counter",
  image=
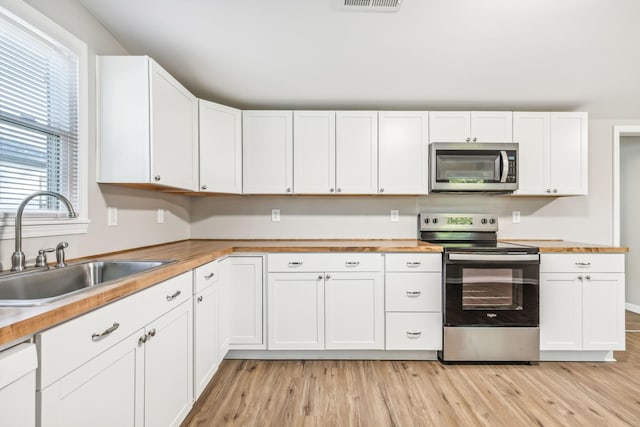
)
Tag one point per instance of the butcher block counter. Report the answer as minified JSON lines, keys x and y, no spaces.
{"x":563,"y":246}
{"x":18,"y":323}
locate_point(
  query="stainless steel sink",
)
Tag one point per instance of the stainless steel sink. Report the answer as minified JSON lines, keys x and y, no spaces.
{"x":42,"y":286}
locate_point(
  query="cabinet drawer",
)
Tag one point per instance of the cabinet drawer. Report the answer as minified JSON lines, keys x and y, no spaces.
{"x":69,"y":345}
{"x":413,"y":262}
{"x":413,"y":292}
{"x":205,"y":276}
{"x":568,"y":263}
{"x":325,"y":262}
{"x":414,"y":331}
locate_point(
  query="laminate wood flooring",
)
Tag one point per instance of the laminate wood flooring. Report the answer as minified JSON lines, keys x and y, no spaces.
{"x":632,"y":321}
{"x":418,"y":393}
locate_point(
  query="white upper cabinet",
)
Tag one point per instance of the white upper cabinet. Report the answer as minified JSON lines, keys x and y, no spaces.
{"x":267,"y":148}
{"x":552,"y":153}
{"x":356,"y":152}
{"x":470,"y":126}
{"x":314,"y":141}
{"x":403,"y":149}
{"x":220,"y":148}
{"x":147,"y":125}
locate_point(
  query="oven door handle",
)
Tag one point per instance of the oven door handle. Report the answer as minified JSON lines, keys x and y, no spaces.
{"x":496,"y":257}
{"x":505,"y":166}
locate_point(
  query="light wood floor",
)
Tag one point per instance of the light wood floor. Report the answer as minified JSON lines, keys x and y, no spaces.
{"x":382,"y":393}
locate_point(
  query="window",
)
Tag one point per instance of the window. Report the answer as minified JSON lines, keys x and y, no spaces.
{"x":41,"y":80}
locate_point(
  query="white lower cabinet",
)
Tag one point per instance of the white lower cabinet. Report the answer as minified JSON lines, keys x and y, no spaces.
{"x":245,"y":302}
{"x":582,"y":307}
{"x":414,"y":331}
{"x":18,"y":386}
{"x":136,"y":371}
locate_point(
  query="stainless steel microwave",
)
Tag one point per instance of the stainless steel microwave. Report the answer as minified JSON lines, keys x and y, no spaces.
{"x":470,"y":167}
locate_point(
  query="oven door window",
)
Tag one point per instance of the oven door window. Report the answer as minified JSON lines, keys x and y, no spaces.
{"x":492,"y":289}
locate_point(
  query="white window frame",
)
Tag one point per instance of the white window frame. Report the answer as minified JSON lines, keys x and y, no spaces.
{"x":33,"y":225}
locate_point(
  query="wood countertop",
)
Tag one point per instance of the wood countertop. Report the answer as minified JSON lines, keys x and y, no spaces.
{"x":18,"y":323}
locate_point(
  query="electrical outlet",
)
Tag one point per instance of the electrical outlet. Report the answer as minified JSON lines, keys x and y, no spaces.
{"x":160,"y":216}
{"x":515,"y":217}
{"x":394,"y":215}
{"x":275,"y":215}
{"x":112,"y":216}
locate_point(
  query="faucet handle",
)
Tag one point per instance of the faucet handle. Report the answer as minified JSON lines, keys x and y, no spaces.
{"x":41,"y":259}
{"x":60,"y":247}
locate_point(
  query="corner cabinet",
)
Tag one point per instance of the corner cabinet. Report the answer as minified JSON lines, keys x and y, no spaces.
{"x":220,"y":146}
{"x":267,"y":152}
{"x":555,"y":148}
{"x":147,"y":125}
{"x":403,"y":147}
{"x":581,"y":304}
{"x":470,"y":126}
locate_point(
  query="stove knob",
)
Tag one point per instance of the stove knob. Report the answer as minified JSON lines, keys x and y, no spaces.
{"x":483,"y":220}
{"x":426,"y":220}
{"x":492,"y":221}
{"x":435,"y":220}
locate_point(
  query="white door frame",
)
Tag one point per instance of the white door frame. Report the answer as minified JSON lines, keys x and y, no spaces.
{"x":618,"y":132}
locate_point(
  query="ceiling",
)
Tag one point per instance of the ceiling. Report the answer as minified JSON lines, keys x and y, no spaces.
{"x":431,"y":54}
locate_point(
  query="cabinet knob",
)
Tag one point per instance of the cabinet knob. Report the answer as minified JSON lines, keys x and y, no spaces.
{"x":468,"y":139}
{"x":200,"y":298}
{"x":142,"y":340}
{"x":156,"y":178}
{"x":580,"y":277}
{"x":328,"y":276}
{"x":475,"y":139}
{"x":555,"y":190}
{"x":331,"y":190}
{"x":204,"y":187}
{"x":339,"y":190}
{"x":152,"y":333}
{"x":587,"y":277}
{"x":320,"y":277}
{"x":208,"y":276}
{"x":548,"y":190}
{"x":288,"y":190}
{"x":382,"y":190}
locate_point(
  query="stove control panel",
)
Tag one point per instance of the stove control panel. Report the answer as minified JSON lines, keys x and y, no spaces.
{"x":457,"y":222}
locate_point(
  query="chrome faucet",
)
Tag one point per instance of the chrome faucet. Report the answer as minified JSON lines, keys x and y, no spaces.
{"x":18,"y":262}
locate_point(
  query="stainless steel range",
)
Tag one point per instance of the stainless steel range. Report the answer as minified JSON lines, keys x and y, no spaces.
{"x":490,"y":290}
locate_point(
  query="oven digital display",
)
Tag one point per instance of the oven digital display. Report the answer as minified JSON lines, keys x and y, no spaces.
{"x":460,"y":220}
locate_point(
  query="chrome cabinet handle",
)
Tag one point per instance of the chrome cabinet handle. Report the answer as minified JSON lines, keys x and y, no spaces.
{"x":200,"y":298}
{"x":328,"y":276}
{"x":587,"y":277}
{"x":174,"y":296}
{"x":295,"y":263}
{"x":413,"y":264}
{"x":583,"y":264}
{"x":208,"y":276}
{"x":156,"y":178}
{"x":204,"y":187}
{"x":580,"y":277}
{"x":548,"y":190}
{"x":142,"y":340}
{"x":105,"y":333}
{"x":413,"y":335}
{"x":555,"y":190}
{"x":468,"y":139}
{"x":475,"y":139}
{"x":413,"y":294}
{"x":288,"y":190}
{"x":382,"y":190}
{"x":320,"y":277}
{"x":339,"y":190}
{"x":151,"y":333}
{"x":352,"y":264}
{"x":331,"y":190}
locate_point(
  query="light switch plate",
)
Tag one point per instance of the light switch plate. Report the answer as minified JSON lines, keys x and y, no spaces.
{"x":515,"y":217}
{"x":275,"y":215}
{"x":112,"y":216}
{"x":394,"y":215}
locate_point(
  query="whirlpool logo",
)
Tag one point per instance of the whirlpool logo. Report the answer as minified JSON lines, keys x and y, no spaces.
{"x":492,"y":315}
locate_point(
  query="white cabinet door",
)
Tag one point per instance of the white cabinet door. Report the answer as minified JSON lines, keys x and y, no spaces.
{"x":168,"y":369}
{"x":205,"y":338}
{"x":106,"y":391}
{"x":174,"y":131}
{"x":560,"y":311}
{"x":267,"y":152}
{"x":314,"y":142}
{"x":356,"y":152}
{"x":354,"y":311}
{"x":403,"y":147}
{"x":568,"y":163}
{"x":603,"y":311}
{"x":491,"y":126}
{"x":414,"y":331}
{"x":245,"y":301}
{"x":296,"y":311}
{"x":532,"y":133}
{"x":220,"y":141}
{"x":449,"y":126}
{"x":18,"y":385}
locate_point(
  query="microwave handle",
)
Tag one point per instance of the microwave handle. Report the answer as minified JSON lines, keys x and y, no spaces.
{"x":505,"y":166}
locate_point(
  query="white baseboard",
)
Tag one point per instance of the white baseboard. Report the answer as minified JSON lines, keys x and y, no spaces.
{"x":632,"y":307}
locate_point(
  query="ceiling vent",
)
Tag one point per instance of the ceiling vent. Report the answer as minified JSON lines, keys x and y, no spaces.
{"x":372,"y":5}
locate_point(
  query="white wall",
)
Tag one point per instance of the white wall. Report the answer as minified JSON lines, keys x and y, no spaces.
{"x":137,"y":208}
{"x":629,"y":213}
{"x":583,"y":218}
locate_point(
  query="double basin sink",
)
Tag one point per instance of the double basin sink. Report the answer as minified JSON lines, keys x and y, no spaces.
{"x":39,"y":287}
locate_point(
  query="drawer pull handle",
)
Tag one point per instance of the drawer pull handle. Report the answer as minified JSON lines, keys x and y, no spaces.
{"x":352,"y":263}
{"x":413,"y":335}
{"x":295,"y":263}
{"x":413,"y":264}
{"x":106,"y":332}
{"x":583,"y":264}
{"x":413,"y":294}
{"x":174,"y":296}
{"x":208,"y":276}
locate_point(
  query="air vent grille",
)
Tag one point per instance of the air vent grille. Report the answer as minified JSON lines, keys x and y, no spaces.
{"x":372,"y":5}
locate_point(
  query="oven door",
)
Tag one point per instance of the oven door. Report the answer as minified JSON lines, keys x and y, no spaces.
{"x":491,"y":289}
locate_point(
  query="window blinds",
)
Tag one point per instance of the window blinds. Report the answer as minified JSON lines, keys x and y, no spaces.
{"x":38,"y":119}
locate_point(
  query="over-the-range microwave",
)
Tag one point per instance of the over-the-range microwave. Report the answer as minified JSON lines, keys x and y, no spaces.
{"x":473,"y":167}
